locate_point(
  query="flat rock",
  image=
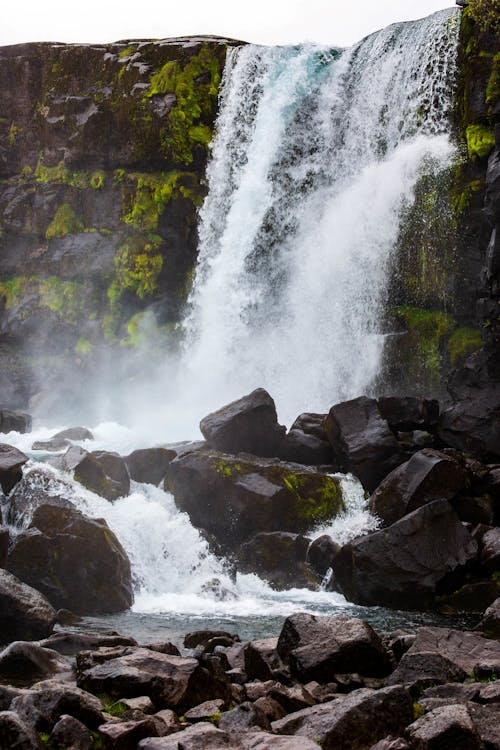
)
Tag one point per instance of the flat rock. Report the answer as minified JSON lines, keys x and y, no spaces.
{"x":70,"y":643}
{"x":205,"y":736}
{"x":25,"y":614}
{"x":126,"y":734}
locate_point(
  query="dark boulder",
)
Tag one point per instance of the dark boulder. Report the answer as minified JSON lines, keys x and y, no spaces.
{"x":405,"y":414}
{"x":126,"y":734}
{"x":37,"y":487}
{"x":352,"y":722}
{"x":104,"y":473}
{"x":306,"y":442}
{"x":14,"y":421}
{"x":26,"y":662}
{"x":77,"y":562}
{"x":262,"y":660}
{"x":69,"y":460}
{"x":74,"y":433}
{"x":43,"y":705}
{"x":248,"y":425}
{"x":405,"y":565}
{"x":69,"y":643}
{"x":71,"y":733}
{"x":317,"y":648}
{"x":11,"y":464}
{"x":170,"y":681}
{"x":25,"y":614}
{"x":428,"y":475}
{"x":444,"y":727}
{"x":362,"y":441}
{"x":279,"y":557}
{"x":321,"y":554}
{"x":490,"y":550}
{"x":15,"y":734}
{"x":149,"y":465}
{"x":235,"y":497}
{"x":490,"y":624}
{"x":205,"y":637}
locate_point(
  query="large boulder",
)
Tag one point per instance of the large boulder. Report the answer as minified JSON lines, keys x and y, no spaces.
{"x":15,"y":734}
{"x":446,"y":726}
{"x":37,"y":487}
{"x":306,"y":441}
{"x":11,"y":465}
{"x":14,"y":421}
{"x":317,"y":648}
{"x":249,"y":424}
{"x":235,"y":497}
{"x":428,"y":475}
{"x":77,"y":562}
{"x":409,"y":413}
{"x":43,"y":706}
{"x":362,"y":441}
{"x":279,"y":557}
{"x":25,"y":614}
{"x":405,"y":565}
{"x":170,"y":681}
{"x":104,"y":473}
{"x":149,"y":465}
{"x":25,"y":662}
{"x":352,"y":722}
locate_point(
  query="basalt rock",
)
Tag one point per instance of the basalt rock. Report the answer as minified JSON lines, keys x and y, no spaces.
{"x":11,"y":463}
{"x":14,"y":421}
{"x":306,"y":442}
{"x":321,"y":554}
{"x":25,"y":614}
{"x":149,"y":465}
{"x":248,"y":425}
{"x":279,"y":558}
{"x":28,"y":662}
{"x":407,"y":414}
{"x":43,"y":706}
{"x":104,"y":473}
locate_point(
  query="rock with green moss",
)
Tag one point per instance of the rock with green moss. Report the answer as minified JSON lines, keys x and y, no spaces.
{"x":235,"y":497}
{"x":278,"y":557}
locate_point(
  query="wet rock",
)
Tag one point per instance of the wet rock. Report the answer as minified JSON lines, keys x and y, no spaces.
{"x":11,"y":464}
{"x":279,"y":558}
{"x":354,"y":721}
{"x":247,"y":425}
{"x":77,"y":562}
{"x":473,"y":597}
{"x":25,"y":614}
{"x":306,"y":441}
{"x":14,"y":421}
{"x":164,"y":647}
{"x":104,"y":473}
{"x":15,"y":734}
{"x":403,"y":566}
{"x":405,"y":414}
{"x":317,"y":647}
{"x":74,"y":433}
{"x":27,"y":662}
{"x":490,"y":550}
{"x":37,"y":487}
{"x":67,"y":617}
{"x":54,"y":445}
{"x":170,"y":681}
{"x":442,"y":655}
{"x":7,"y":695}
{"x":362,"y":441}
{"x":149,"y":465}
{"x":321,"y":554}
{"x":427,"y":476}
{"x":262,"y":659}
{"x":235,"y":497}
{"x":474,"y":510}
{"x":71,"y":734}
{"x":448,"y":726}
{"x":490,"y":624}
{"x":43,"y":706}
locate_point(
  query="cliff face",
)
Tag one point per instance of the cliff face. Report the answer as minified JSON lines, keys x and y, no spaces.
{"x":103,"y":150}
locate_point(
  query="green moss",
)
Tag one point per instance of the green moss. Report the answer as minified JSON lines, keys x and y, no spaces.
{"x":480,"y":141}
{"x":58,"y":295}
{"x":98,"y":179}
{"x":493,"y":88}
{"x":112,"y":707}
{"x":127,"y":52}
{"x":485,"y":13}
{"x":215,"y":718}
{"x":138,"y":264}
{"x":64,"y":222}
{"x":13,"y":133}
{"x":152,"y":193}
{"x":314,"y":504}
{"x":83,"y":347}
{"x":47,"y":742}
{"x":226,"y":469}
{"x":432,"y":327}
{"x":12,"y":290}
{"x":62,"y":175}
{"x":462,"y":342}
{"x":418,"y":710}
{"x":463,"y":199}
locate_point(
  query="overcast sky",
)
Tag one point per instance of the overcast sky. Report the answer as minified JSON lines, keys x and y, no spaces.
{"x":340,"y":22}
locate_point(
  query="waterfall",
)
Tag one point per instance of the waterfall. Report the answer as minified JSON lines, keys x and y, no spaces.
{"x":316,"y":150}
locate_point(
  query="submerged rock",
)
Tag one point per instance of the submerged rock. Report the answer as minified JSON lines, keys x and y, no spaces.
{"x":278,"y":557}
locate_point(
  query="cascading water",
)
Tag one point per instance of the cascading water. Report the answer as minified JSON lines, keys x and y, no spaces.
{"x":315,"y":153}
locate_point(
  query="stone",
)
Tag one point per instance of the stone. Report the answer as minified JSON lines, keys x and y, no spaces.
{"x":405,"y":414}
{"x":71,"y":643}
{"x":54,"y":445}
{"x":354,"y":721}
{"x":291,"y":698}
{"x":204,"y":637}
{"x":14,"y":421}
{"x":164,"y":647}
{"x":74,"y":433}
{"x":15,"y":734}
{"x":427,"y":476}
{"x":442,"y":655}
{"x":362,"y":441}
{"x":4,"y":545}
{"x":142,"y":703}
{"x":486,"y":721}
{"x":490,"y":693}
{"x":205,"y":711}
{"x":37,"y":487}
{"x":69,"y":460}
{"x":77,"y":562}
{"x":7,"y":695}
{"x":474,"y":510}
{"x":47,"y":701}
{"x":248,"y":425}
{"x":262,"y":659}
{"x":11,"y":464}
{"x":306,"y":441}
{"x":104,"y":473}
{"x":403,"y":566}
{"x":170,"y":681}
{"x":27,"y":662}
{"x":490,"y":550}
{"x":243,"y":718}
{"x":125,"y":735}
{"x":25,"y":614}
{"x":71,"y":734}
{"x":278,"y":557}
{"x":316,"y":647}
{"x":235,"y":497}
{"x":447,"y":726}
{"x":473,"y":597}
{"x":490,"y":624}
{"x":391,"y":743}
{"x":271,"y":708}
{"x":149,"y":465}
{"x":205,"y":736}
{"x":321,"y":554}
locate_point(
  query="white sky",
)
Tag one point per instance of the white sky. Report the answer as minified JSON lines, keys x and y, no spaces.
{"x":340,"y":22}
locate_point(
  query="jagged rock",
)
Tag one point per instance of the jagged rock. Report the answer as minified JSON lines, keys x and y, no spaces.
{"x":321,"y":554}
{"x":205,"y":736}
{"x":453,"y":692}
{"x":243,"y":718}
{"x":69,"y":460}
{"x":404,"y":565}
{"x":486,"y":721}
{"x":235,"y":497}
{"x":77,"y":562}
{"x":441,"y":655}
{"x":248,"y":425}
{"x":405,"y":414}
{"x":104,"y":473}
{"x":205,"y":637}
{"x":490,"y":693}
{"x":354,"y":721}
{"x":71,"y":734}
{"x":490,"y":550}
{"x":318,"y":647}
{"x":164,"y":647}
{"x":306,"y":441}
{"x":262,"y":659}
{"x":25,"y":614}
{"x":271,"y":709}
{"x":15,"y":734}
{"x":11,"y":463}
{"x":74,"y":433}
{"x":14,"y":421}
{"x":149,"y":465}
{"x":43,"y":706}
{"x":427,"y":476}
{"x":490,"y":624}
{"x":447,"y":726}
{"x":278,"y":557}
{"x":126,"y":734}
{"x":86,"y":660}
{"x":71,"y":643}
{"x":362,"y":441}
{"x":142,"y":703}
{"x":204,"y":711}
{"x":291,"y":698}
{"x":473,"y":597}
{"x":170,"y":681}
{"x":26,"y":662}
